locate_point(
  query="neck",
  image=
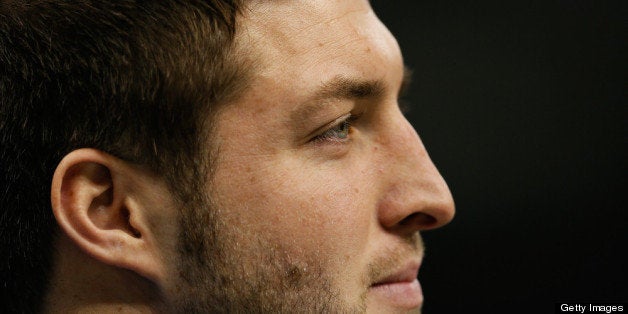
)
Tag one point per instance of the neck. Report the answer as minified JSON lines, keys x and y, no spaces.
{"x":81,"y":284}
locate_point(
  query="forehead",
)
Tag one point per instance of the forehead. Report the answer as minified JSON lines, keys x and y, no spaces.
{"x":315,"y":40}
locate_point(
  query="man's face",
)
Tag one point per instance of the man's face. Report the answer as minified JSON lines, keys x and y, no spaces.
{"x":321,"y":185}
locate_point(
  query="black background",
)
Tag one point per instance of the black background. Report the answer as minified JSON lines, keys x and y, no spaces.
{"x":522,"y":106}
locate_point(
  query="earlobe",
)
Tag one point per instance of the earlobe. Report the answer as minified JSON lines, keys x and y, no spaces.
{"x":94,"y":206}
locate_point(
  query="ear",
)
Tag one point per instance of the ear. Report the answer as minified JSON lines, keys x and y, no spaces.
{"x":98,"y":205}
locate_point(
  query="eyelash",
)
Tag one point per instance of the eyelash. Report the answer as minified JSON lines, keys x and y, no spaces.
{"x":339,"y":133}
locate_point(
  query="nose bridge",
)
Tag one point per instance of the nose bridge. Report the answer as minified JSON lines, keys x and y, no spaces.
{"x":410,"y":157}
{"x":416,"y":195}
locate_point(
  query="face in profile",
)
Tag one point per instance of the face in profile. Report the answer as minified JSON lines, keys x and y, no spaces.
{"x":321,"y":185}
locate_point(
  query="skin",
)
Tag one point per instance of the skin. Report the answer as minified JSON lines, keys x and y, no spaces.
{"x":301,"y":211}
{"x":331,"y":216}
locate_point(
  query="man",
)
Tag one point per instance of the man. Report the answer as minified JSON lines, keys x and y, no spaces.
{"x":209,"y":156}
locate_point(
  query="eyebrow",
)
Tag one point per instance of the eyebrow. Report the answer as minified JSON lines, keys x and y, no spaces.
{"x":342,"y":87}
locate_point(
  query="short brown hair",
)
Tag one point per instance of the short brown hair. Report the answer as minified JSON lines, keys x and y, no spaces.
{"x":136,"y":79}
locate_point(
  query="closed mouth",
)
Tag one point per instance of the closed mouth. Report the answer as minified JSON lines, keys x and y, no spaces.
{"x":400,"y":289}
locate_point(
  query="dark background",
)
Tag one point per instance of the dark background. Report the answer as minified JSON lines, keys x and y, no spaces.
{"x":522,"y":106}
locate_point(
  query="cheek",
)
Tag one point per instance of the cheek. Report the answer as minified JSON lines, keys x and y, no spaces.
{"x":303,"y":210}
{"x":334,"y":218}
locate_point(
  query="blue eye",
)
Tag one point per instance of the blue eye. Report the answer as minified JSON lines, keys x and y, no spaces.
{"x":340,"y":132}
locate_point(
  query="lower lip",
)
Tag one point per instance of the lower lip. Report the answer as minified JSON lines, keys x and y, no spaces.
{"x":400,"y":294}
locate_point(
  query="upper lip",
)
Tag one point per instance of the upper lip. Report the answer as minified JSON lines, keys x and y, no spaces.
{"x":407,"y":273}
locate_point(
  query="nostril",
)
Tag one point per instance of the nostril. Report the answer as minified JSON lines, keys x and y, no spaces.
{"x":419,"y":219}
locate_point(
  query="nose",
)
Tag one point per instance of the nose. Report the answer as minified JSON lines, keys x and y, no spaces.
{"x":415,"y":195}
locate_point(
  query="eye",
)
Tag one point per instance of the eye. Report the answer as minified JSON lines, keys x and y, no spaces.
{"x":339,"y":132}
